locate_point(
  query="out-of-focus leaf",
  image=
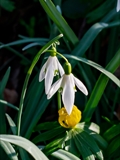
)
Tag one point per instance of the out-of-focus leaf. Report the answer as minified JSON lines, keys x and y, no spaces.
{"x":10,"y":151}
{"x":46,"y":126}
{"x":26,"y":144}
{"x":12,"y":124}
{"x":112,"y":132}
{"x":9,"y":104}
{"x":7,"y":5}
{"x":113,"y":146}
{"x":100,"y":11}
{"x":41,"y":41}
{"x":48,"y":134}
{"x":64,"y":155}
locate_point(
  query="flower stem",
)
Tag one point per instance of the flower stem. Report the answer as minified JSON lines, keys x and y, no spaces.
{"x":59,"y":97}
{"x":58,"y":54}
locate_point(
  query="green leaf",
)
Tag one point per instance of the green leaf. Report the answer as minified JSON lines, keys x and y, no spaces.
{"x":112,"y":132}
{"x":41,"y":41}
{"x":100,"y":11}
{"x":4,"y":81}
{"x":62,"y":25}
{"x":83,"y":149}
{"x":25,"y":144}
{"x":46,"y":126}
{"x":89,"y":141}
{"x":113,"y":146}
{"x":9,"y":104}
{"x":97,"y":66}
{"x":7,"y":5}
{"x":102,"y":143}
{"x":12,"y":124}
{"x":48,"y":134}
{"x":99,"y":88}
{"x":10,"y":151}
{"x":52,"y":146}
{"x":2,"y":108}
{"x":64,"y":155}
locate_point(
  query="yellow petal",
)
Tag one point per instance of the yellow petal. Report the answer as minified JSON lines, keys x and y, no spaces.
{"x":69,"y":121}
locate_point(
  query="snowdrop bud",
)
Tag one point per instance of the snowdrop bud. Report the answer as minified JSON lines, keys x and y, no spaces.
{"x":54,"y":52}
{"x":67,"y":68}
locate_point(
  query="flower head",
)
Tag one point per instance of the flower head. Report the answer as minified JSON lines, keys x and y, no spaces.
{"x":66,"y":84}
{"x":118,"y":6}
{"x":49,"y":70}
{"x":69,"y":121}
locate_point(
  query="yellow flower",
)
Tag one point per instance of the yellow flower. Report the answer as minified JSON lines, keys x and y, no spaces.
{"x":69,"y":121}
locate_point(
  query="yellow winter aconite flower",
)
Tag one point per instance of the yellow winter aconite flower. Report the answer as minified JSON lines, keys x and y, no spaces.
{"x":69,"y":121}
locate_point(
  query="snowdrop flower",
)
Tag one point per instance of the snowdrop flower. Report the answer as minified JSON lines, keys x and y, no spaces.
{"x":49,"y":70}
{"x":118,"y":6}
{"x":66,"y":84}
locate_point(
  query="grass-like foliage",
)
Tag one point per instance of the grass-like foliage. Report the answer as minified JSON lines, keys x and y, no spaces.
{"x":40,"y":129}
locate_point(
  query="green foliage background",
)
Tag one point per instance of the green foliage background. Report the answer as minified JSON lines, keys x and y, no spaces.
{"x":88,"y":33}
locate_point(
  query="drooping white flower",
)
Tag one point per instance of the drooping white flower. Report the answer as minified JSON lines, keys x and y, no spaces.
{"x":118,"y":6}
{"x":49,"y":70}
{"x":67,"y":85}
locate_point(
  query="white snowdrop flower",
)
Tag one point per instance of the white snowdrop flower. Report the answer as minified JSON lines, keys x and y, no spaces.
{"x":118,"y":6}
{"x":66,"y":84}
{"x":51,"y":68}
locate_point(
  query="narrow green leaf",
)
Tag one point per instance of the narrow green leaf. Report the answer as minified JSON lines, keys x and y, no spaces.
{"x":8,"y":5}
{"x":100,"y":11}
{"x":46,"y":126}
{"x":10,"y":151}
{"x":4,"y":81}
{"x":97,"y":66}
{"x":64,"y":155}
{"x":113,"y":146}
{"x":48,"y":134}
{"x":41,"y":41}
{"x":43,"y":103}
{"x":102,"y":143}
{"x":25,"y":144}
{"x":83,"y":149}
{"x":89,"y":141}
{"x":99,"y":88}
{"x":62,"y":25}
{"x":52,"y":146}
{"x":9,"y":104}
{"x":12,"y":124}
{"x":112,"y":132}
{"x":2,"y":108}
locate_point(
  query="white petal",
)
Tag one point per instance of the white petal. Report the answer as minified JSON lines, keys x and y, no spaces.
{"x":118,"y":6}
{"x":49,"y":77}
{"x":42,"y":72}
{"x":54,"y":88}
{"x":55,"y":64}
{"x":61,"y":70}
{"x":81,"y":86}
{"x":68,"y":95}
